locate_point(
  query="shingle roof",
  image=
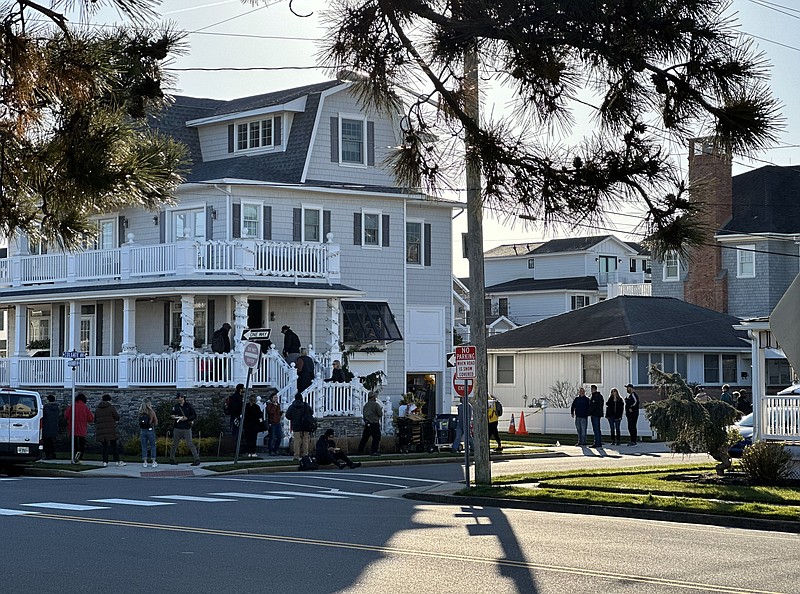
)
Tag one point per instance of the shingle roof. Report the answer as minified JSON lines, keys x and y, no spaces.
{"x":273,"y":98}
{"x":511,"y":249}
{"x":766,"y":200}
{"x":569,"y":244}
{"x":578,"y":283}
{"x":657,"y":322}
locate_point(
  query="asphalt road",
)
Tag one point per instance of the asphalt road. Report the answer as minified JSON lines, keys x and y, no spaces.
{"x":350,"y":531}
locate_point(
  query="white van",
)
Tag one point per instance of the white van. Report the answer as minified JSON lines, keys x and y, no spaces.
{"x":20,"y":429}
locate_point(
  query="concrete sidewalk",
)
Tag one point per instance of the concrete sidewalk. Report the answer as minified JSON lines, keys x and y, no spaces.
{"x":285,"y":463}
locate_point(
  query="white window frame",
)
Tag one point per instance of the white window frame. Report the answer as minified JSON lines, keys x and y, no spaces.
{"x":745,"y":255}
{"x":587,"y":378}
{"x":679,"y":362}
{"x":199,"y":222}
{"x":498,"y":371}
{"x":355,"y":118}
{"x":318,"y":209}
{"x":244,"y":232}
{"x":669,"y":257}
{"x":200,"y":321}
{"x":531,"y":264}
{"x":573,"y":301}
{"x":254,"y":134}
{"x":378,"y":243}
{"x":112,"y":223}
{"x":421,"y":252}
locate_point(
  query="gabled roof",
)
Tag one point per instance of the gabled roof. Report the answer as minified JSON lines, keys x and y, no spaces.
{"x":766,"y":200}
{"x":639,"y":322}
{"x":274,"y":98}
{"x":570,"y":244}
{"x":520,"y":285}
{"x":511,"y":249}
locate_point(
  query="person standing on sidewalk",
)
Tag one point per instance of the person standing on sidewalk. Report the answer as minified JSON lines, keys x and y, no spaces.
{"x":372,"y":413}
{"x":50,"y":416}
{"x":83,"y":416}
{"x":184,"y":415}
{"x":299,"y":414}
{"x":106,"y":418}
{"x":253,"y":423}
{"x":147,"y":431}
{"x":495,"y":410}
{"x":463,"y":431}
{"x":615,"y":408}
{"x":580,"y":412}
{"x":632,"y":413}
{"x":274,"y":413}
{"x":234,"y":405}
{"x":596,"y":402}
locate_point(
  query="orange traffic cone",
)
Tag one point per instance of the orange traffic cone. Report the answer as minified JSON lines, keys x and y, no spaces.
{"x":522,"y":430}
{"x":511,"y":429}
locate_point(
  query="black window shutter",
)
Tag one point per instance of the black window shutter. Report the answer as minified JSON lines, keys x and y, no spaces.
{"x":277,"y":132}
{"x":167,"y":306}
{"x":209,"y":223}
{"x":209,"y":320}
{"x":62,"y":322}
{"x":385,"y":231}
{"x":268,"y":222}
{"x":334,"y":139}
{"x":297,"y":224}
{"x":162,"y":226}
{"x":356,"y":228}
{"x":427,"y":241}
{"x":236,"y":220}
{"x":231,"y":138}
{"x":370,"y":143}
{"x":121,"y":230}
{"x":326,"y":224}
{"x":98,"y":337}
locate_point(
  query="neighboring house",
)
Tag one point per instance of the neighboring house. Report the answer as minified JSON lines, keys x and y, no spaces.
{"x":289,"y":215}
{"x":613,"y":343}
{"x":529,"y":282}
{"x":751,"y":254}
{"x":460,"y":311}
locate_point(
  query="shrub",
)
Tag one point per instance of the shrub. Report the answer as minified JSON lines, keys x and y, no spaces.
{"x":206,"y":446}
{"x":767,"y":463}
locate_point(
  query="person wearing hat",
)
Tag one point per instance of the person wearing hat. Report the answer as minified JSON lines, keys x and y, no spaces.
{"x":632,"y":413}
{"x":327,"y":452}
{"x":183,"y":414}
{"x":220,"y":340}
{"x":291,"y":345}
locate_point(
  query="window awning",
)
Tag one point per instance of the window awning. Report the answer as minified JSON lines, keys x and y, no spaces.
{"x":369,"y":320}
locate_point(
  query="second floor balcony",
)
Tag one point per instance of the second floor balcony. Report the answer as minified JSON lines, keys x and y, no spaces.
{"x":241,"y":257}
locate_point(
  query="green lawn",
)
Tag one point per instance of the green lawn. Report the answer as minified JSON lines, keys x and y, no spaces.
{"x":650,"y":487}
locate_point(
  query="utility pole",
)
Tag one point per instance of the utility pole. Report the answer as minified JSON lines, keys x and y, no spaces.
{"x":477,"y":324}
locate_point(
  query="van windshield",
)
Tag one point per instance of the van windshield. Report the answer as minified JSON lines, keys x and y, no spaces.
{"x":17,"y":406}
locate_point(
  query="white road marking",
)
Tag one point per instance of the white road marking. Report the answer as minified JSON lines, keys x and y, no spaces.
{"x":138,"y":502}
{"x":266,"y":482}
{"x":354,"y":494}
{"x":68,"y":506}
{"x":249,"y":495}
{"x":404,"y":478}
{"x":16,"y":512}
{"x":2,"y":480}
{"x":191,"y":498}
{"x":301,"y":494}
{"x":347,"y":480}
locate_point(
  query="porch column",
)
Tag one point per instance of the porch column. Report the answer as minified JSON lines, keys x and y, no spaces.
{"x":73,"y":340}
{"x":760,"y":340}
{"x":128,"y":341}
{"x":185,"y":364}
{"x":239,"y":326}
{"x":333,"y":340}
{"x":20,"y":341}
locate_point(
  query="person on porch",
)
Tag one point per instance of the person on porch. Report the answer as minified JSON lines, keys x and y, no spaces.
{"x":220,"y":340}
{"x":291,"y":345}
{"x":305,"y":371}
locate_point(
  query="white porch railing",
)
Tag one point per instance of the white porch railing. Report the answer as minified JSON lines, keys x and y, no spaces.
{"x":41,"y":371}
{"x":246,"y":257}
{"x":213,"y":369}
{"x":152,"y":370}
{"x":780,"y":418}
{"x":97,"y":371}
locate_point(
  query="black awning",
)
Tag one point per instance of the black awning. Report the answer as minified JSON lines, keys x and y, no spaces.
{"x":369,"y":320}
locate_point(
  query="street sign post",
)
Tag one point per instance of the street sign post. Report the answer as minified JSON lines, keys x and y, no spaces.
{"x":252,"y":357}
{"x":74,"y":360}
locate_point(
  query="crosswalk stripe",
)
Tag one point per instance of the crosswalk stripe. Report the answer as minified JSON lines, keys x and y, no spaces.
{"x":349,"y":480}
{"x":354,"y":494}
{"x":403,"y":478}
{"x":191,"y":498}
{"x":131,"y":502}
{"x":2,"y":480}
{"x":67,"y":506}
{"x":16,"y":512}
{"x":316,"y":495}
{"x":249,"y":495}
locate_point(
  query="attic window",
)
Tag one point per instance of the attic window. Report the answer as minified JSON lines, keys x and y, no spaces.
{"x":254,"y":134}
{"x":366,"y":321}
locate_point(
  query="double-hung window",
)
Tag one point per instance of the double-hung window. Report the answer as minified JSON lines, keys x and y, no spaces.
{"x":746,"y":261}
{"x":371,"y":228}
{"x":353,"y":141}
{"x":591,"y":368}
{"x":189,"y":223}
{"x":720,"y":369}
{"x":106,"y":234}
{"x":672,"y":267}
{"x":251,"y":220}
{"x":504,"y":370}
{"x":312,"y":224}
{"x":414,"y":244}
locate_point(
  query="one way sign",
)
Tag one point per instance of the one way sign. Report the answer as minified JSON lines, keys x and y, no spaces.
{"x":256,"y":334}
{"x":451,"y":359}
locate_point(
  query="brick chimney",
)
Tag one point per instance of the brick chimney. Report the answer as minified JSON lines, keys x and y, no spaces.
{"x":711,"y":185}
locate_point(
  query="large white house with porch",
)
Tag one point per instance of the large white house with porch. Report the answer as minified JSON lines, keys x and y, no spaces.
{"x":289,"y":215}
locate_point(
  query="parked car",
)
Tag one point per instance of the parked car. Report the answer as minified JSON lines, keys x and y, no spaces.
{"x":20,"y":429}
{"x":790,"y":391}
{"x":745,"y":428}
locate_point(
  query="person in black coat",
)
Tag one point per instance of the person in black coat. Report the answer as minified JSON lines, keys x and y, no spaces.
{"x":327,"y":452}
{"x":337,"y":375}
{"x":305,"y":371}
{"x":51,"y":415}
{"x":253,"y":424}
{"x":291,"y":345}
{"x":234,"y":406}
{"x":615,"y":408}
{"x":632,"y":413}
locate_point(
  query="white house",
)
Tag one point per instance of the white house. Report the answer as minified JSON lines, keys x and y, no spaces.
{"x":288,"y":216}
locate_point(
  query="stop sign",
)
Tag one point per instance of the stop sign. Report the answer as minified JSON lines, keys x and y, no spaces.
{"x":463,"y":387}
{"x":251,"y":354}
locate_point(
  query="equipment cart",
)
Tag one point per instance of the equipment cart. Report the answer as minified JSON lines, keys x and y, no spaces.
{"x":445,"y":431}
{"x":415,"y":435}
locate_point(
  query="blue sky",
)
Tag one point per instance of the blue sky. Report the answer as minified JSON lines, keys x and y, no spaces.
{"x":227,"y":35}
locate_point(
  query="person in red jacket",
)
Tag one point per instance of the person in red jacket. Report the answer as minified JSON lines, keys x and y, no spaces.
{"x":83,"y":416}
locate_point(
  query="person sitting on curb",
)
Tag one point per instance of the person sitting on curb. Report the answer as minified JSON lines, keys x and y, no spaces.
{"x":328,"y":453}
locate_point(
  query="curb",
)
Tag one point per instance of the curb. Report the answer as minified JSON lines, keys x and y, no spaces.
{"x":612,"y":511}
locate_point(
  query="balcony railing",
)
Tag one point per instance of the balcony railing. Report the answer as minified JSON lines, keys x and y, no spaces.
{"x":780,"y":418}
{"x":241,"y":257}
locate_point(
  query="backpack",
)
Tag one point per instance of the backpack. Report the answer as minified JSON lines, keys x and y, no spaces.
{"x":144,"y":421}
{"x":307,"y":420}
{"x":498,"y":408}
{"x":307,"y":463}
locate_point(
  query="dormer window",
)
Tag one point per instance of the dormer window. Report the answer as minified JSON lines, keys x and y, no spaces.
{"x":254,"y":134}
{"x":352,"y":140}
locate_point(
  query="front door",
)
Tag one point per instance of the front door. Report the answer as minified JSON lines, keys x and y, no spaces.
{"x":86,"y":342}
{"x":255,"y":313}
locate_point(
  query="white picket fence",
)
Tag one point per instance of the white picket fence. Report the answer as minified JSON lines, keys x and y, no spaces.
{"x":560,"y":421}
